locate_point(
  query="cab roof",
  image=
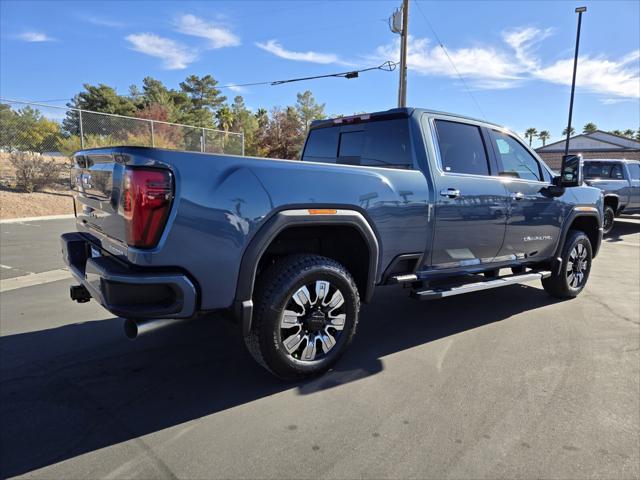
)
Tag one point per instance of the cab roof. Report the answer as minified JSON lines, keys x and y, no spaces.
{"x":401,"y":112}
{"x":611,"y":160}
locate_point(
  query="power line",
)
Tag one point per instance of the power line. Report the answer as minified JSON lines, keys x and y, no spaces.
{"x":387,"y":66}
{"x":52,"y":100}
{"x":435,"y":34}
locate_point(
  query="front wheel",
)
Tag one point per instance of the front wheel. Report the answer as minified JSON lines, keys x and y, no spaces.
{"x":569,"y":281}
{"x":305,"y":317}
{"x":608,"y":219}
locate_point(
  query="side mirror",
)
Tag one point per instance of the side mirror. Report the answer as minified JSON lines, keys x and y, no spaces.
{"x":571,"y":171}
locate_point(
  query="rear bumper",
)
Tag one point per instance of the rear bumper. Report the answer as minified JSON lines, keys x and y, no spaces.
{"x":126,"y":290}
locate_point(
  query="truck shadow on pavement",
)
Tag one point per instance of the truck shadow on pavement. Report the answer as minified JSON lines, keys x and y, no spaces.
{"x":75,"y":389}
{"x":623,"y":227}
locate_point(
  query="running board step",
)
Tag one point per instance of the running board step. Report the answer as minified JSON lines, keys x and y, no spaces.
{"x":449,"y":291}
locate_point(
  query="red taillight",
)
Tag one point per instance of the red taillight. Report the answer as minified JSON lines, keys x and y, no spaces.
{"x":146,"y":201}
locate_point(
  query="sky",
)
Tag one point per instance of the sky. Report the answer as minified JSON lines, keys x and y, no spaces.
{"x":515,"y":58}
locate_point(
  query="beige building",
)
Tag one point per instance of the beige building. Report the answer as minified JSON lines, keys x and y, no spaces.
{"x":598,"y":144}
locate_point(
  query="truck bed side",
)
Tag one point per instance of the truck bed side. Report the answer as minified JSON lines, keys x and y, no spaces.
{"x":220,"y":202}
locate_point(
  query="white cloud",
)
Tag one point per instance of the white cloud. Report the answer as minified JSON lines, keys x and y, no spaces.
{"x":486,"y":67}
{"x":274,"y":47}
{"x":237,"y":88}
{"x":516,"y":61}
{"x":217,"y":35}
{"x":35,"y":37}
{"x":522,"y":41}
{"x":103,"y":22}
{"x":617,"y":78}
{"x":613,"y":101}
{"x":174,"y":55}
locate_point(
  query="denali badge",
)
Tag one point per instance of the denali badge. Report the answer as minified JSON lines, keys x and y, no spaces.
{"x":537,"y":238}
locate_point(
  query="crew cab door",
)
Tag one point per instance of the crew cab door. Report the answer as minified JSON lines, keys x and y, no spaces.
{"x":534,"y":216}
{"x":470,"y":202}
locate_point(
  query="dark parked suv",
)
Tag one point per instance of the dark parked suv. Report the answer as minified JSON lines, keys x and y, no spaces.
{"x":441,"y":203}
{"x":619,"y":180}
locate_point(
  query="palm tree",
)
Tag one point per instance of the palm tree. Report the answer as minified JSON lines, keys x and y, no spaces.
{"x":544,"y":135}
{"x":589,"y":128}
{"x":224,"y":115}
{"x":262,"y":116}
{"x":225,"y":118}
{"x":564,"y":132}
{"x":616,"y":132}
{"x":530,"y":133}
{"x":628,"y":133}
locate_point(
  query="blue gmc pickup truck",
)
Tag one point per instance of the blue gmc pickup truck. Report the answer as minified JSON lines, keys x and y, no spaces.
{"x":619,"y":181}
{"x":442,"y":203}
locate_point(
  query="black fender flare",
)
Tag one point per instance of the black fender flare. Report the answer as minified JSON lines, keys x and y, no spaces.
{"x":616,"y":197}
{"x":575,"y":213}
{"x":243,"y":303}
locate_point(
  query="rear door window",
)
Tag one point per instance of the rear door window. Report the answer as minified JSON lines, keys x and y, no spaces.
{"x":616,"y":172}
{"x":634,"y":170}
{"x":461,"y":147}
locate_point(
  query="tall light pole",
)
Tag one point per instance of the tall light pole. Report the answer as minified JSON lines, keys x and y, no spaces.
{"x":399,"y":23}
{"x":579,"y":11}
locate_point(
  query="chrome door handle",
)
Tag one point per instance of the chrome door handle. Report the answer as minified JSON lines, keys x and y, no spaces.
{"x":517,"y":196}
{"x":450,"y":192}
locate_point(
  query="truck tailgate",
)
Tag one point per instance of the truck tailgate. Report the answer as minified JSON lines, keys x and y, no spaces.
{"x":96,"y":180}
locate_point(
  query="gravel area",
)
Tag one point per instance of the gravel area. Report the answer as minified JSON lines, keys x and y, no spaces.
{"x":49,"y":202}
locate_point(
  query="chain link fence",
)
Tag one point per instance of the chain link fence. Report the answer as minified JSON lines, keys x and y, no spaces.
{"x":52,"y":134}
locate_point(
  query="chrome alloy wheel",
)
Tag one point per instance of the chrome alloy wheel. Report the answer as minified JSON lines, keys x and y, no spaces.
{"x":312,"y":323}
{"x":577,"y":265}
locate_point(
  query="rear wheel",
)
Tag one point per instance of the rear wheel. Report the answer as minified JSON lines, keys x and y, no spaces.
{"x":569,"y":281}
{"x":608,"y":219}
{"x":305,"y":317}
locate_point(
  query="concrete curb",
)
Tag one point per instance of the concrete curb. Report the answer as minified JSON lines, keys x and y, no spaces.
{"x":35,"y":219}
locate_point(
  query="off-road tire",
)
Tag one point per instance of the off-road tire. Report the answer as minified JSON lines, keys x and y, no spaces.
{"x":273,"y":291}
{"x":608,"y":221}
{"x":558,"y":284}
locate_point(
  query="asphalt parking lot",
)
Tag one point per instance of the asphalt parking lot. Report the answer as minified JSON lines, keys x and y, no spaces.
{"x":506,"y":383}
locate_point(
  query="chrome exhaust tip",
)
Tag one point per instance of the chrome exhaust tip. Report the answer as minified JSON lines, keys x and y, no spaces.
{"x":134,"y":328}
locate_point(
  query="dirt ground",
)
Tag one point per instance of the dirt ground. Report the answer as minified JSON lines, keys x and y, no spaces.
{"x":49,"y":202}
{"x":52,"y":201}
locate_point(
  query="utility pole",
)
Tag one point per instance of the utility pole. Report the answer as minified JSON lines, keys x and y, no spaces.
{"x":399,"y":23}
{"x":579,"y":11}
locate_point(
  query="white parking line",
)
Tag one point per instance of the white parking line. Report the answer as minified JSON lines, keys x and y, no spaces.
{"x":35,"y":219}
{"x":33,"y":279}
